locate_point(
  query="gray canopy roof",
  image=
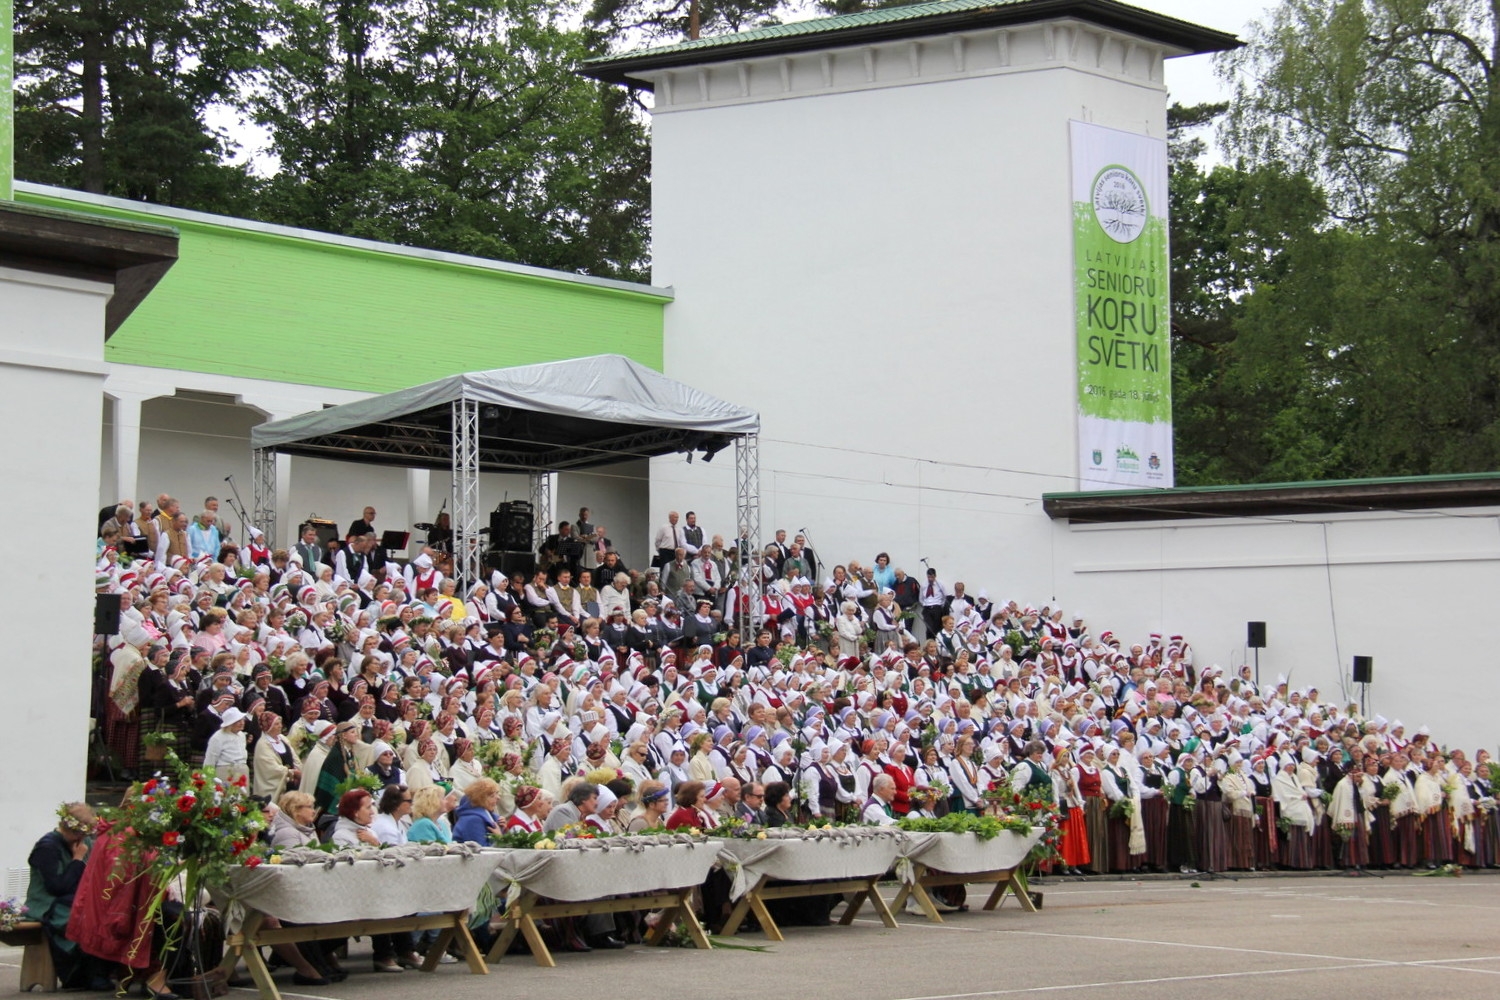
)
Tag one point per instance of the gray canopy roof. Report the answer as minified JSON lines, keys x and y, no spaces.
{"x":545,"y":417}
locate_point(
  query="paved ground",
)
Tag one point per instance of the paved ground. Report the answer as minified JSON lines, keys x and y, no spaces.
{"x":1397,"y":936}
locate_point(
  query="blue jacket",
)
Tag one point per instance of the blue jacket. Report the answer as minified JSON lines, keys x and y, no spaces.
{"x":472,"y":823}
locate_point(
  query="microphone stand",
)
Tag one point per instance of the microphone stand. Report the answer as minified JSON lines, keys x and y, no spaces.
{"x":240,"y":509}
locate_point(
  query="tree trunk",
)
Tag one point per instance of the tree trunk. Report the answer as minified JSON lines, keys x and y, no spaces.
{"x":91,"y":124}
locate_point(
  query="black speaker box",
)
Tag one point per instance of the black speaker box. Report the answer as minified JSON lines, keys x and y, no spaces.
{"x":106,"y":614}
{"x":1364,"y":669}
{"x":511,"y":563}
{"x":510,"y":527}
{"x":1256,"y":635}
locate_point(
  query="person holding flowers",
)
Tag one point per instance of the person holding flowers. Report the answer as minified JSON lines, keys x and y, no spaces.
{"x":57,"y":864}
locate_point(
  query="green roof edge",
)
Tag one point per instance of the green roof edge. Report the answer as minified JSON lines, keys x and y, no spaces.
{"x":909,"y":21}
{"x":79,"y":203}
{"x":1459,"y":477}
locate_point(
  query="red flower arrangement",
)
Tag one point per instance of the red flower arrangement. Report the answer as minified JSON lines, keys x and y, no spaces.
{"x":186,"y":822}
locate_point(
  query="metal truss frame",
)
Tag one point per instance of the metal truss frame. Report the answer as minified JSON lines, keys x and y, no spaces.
{"x":747,"y":528}
{"x":541,"y":508}
{"x":263,"y":470}
{"x":467,"y":549}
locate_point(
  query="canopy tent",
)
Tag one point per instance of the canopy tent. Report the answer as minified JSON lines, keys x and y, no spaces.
{"x":537,"y":419}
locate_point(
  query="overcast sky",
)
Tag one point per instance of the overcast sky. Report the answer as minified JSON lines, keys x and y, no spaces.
{"x":1191,"y":79}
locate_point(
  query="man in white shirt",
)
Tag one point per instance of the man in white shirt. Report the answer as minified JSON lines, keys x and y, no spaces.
{"x":934,"y":596}
{"x":668,"y":538}
{"x":877,"y":811}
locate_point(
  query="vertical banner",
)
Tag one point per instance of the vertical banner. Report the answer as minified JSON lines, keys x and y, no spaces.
{"x":1120,"y":271}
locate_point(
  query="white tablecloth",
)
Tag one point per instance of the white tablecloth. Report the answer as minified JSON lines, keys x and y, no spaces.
{"x":363,"y":890}
{"x":578,"y":875}
{"x":964,"y":853}
{"x":808,"y":860}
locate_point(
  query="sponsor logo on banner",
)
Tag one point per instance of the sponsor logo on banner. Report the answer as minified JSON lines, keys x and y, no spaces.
{"x":1098,"y":457}
{"x":1127,"y":460}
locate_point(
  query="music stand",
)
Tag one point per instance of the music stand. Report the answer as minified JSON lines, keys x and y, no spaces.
{"x":396,"y":540}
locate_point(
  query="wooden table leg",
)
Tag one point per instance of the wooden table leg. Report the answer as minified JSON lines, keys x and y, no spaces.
{"x":664,"y":920}
{"x":924,"y":901}
{"x":242,"y":946}
{"x":466,"y":943}
{"x":435,"y":952}
{"x":690,"y":921}
{"x":850,"y":910}
{"x":881,"y":910}
{"x":1022,"y":891}
{"x":997,"y":894}
{"x":533,"y":934}
{"x":741,"y":908}
{"x":258,"y":970}
{"x":518,"y":919}
{"x":763,"y":915}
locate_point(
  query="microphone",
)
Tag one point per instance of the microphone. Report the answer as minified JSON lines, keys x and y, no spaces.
{"x":228,"y":479}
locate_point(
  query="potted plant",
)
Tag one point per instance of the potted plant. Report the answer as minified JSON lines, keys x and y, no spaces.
{"x":156,"y":744}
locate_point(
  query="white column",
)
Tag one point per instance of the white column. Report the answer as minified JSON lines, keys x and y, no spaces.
{"x":127,"y":444}
{"x":418,"y":498}
{"x":284,"y":517}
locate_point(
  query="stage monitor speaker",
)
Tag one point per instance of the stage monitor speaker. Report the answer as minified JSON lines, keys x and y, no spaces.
{"x":510,"y":527}
{"x":511,"y":563}
{"x":328,"y":531}
{"x":106,"y":614}
{"x":1364,"y":669}
{"x":1257,"y":635}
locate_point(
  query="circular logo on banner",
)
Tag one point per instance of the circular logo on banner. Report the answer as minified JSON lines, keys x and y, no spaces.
{"x":1119,"y":204}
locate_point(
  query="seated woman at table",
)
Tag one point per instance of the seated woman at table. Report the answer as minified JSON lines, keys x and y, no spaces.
{"x":356,"y":813}
{"x":533,"y":805}
{"x":430,"y":825}
{"x":602,"y":818}
{"x":293,"y":824}
{"x":393,"y":815}
{"x":779,"y":806}
{"x":393,"y":952}
{"x":475,"y":819}
{"x":652,"y":814}
{"x":689,"y":814}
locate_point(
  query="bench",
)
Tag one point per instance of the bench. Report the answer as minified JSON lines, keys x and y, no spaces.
{"x":37,"y":971}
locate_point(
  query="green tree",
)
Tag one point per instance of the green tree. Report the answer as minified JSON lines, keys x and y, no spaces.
{"x":630,"y":22}
{"x":455,"y":126}
{"x":1391,"y":311}
{"x":113,"y":96}
{"x":1231,"y":235}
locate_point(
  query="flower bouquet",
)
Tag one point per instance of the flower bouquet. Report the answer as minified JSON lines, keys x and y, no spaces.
{"x":12,"y":912}
{"x":189,"y":824}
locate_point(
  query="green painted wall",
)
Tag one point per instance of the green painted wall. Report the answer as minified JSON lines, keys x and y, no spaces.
{"x":7,"y":99}
{"x":293,"y":309}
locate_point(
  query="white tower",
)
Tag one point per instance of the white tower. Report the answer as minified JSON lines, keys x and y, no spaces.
{"x":868,"y":223}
